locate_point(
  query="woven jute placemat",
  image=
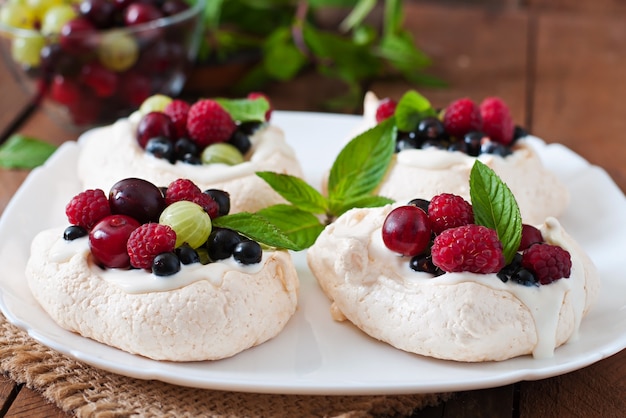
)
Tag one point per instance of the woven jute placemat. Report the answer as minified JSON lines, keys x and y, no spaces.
{"x":85,"y":391}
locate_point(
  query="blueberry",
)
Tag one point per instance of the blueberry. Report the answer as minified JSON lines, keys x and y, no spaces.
{"x":248,"y":252}
{"x":473,"y":140}
{"x":221,"y":243}
{"x":161,"y":147}
{"x":431,"y":127}
{"x":406,"y":143}
{"x":241,"y":141}
{"x":185,"y":146}
{"x":187,"y":255}
{"x":222,"y":198}
{"x":74,"y":231}
{"x":166,"y":264}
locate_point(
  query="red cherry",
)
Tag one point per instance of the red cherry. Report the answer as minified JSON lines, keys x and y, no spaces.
{"x":138,"y":199}
{"x":77,"y":35}
{"x":86,"y":111}
{"x":406,"y":230}
{"x":64,"y":90}
{"x":138,"y":13}
{"x":107,"y":240}
{"x":530,"y":236}
{"x":99,"y":12}
{"x":152,"y":125}
{"x":102,"y":81}
{"x":134,"y":88}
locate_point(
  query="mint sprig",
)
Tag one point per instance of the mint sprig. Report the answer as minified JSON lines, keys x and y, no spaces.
{"x":245,"y":110}
{"x":411,"y":109}
{"x":354,"y":176}
{"x":24,"y":152}
{"x":495,"y":207}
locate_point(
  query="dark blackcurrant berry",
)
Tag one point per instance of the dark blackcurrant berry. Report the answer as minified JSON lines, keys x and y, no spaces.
{"x":519,"y":132}
{"x":430,"y":127}
{"x":473,"y":141}
{"x":241,"y":141}
{"x":221,"y":243}
{"x":490,"y":147}
{"x":406,"y":143}
{"x":165,"y":264}
{"x":161,"y":147}
{"x":74,"y":231}
{"x":184,"y":146}
{"x":435,"y":143}
{"x":191,"y":159}
{"x":222,"y":198}
{"x":420,"y":203}
{"x":524,"y":277}
{"x":248,"y":252}
{"x":423,"y":263}
{"x":187,"y":255}
{"x":250,"y":127}
{"x":458,"y":146}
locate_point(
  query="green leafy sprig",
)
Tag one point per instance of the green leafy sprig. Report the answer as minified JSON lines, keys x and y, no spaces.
{"x":354,"y":176}
{"x":495,"y":207}
{"x":24,"y":152}
{"x":245,"y":110}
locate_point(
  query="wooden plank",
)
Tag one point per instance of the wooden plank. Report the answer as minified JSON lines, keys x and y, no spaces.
{"x":580,"y":88}
{"x":605,"y":7}
{"x":13,"y":98}
{"x":8,"y":391}
{"x":595,"y":391}
{"x":29,"y":404}
{"x":477,"y":52}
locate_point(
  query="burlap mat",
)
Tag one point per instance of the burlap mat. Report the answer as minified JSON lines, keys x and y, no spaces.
{"x":85,"y":391}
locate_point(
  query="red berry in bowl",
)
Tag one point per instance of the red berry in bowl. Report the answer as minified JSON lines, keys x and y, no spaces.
{"x":103,"y":82}
{"x":77,"y":36}
{"x":138,"y":13}
{"x":406,"y":230}
{"x":154,"y":124}
{"x":137,"y":198}
{"x":100,"y":12}
{"x":108,"y":238}
{"x":64,"y":90}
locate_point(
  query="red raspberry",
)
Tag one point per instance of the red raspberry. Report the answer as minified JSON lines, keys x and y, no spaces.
{"x":547,"y":262}
{"x":87,"y":208}
{"x":256,"y":95}
{"x":148,"y":241}
{"x":208,"y":123}
{"x":177,"y":110}
{"x":449,"y":211}
{"x":472,"y":248}
{"x":497,"y":120}
{"x":386,"y":108}
{"x":462,"y":116}
{"x":184,"y":189}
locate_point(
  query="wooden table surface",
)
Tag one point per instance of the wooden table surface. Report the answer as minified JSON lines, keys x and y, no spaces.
{"x":559,"y":65}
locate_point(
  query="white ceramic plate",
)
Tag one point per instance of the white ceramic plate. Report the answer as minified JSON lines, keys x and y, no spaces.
{"x":314,"y":354}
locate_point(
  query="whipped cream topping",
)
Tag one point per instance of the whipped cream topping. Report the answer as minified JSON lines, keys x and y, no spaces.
{"x":111,"y":153}
{"x":138,"y":281}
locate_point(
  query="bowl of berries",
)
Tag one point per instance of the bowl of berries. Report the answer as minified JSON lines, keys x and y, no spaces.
{"x":90,"y":62}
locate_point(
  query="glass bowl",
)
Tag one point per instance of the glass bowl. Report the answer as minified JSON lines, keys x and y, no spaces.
{"x":87,"y":75}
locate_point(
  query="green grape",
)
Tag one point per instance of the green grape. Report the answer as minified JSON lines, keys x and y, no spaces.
{"x":17,"y":16}
{"x":26,"y":49}
{"x":155,"y":103}
{"x":55,"y":18}
{"x":190,"y":222}
{"x":118,"y":51}
{"x":223,"y":153}
{"x":40,"y":7}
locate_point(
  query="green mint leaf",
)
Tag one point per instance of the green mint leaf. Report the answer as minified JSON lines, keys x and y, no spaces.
{"x":495,"y":207}
{"x":258,"y":228}
{"x":24,"y":152}
{"x":299,"y":226}
{"x":362,"y":163}
{"x":412,"y":108}
{"x":245,"y":110}
{"x":296,"y":191}
{"x":368,"y":201}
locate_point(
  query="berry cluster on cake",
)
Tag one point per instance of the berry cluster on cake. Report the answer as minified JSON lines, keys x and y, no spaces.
{"x":216,"y":143}
{"x":435,"y":151}
{"x":153,"y":273}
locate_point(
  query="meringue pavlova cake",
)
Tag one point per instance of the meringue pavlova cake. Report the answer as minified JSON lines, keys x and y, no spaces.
{"x":435,"y":152}
{"x":217,"y":143}
{"x":166,"y":275}
{"x":486,"y":287}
